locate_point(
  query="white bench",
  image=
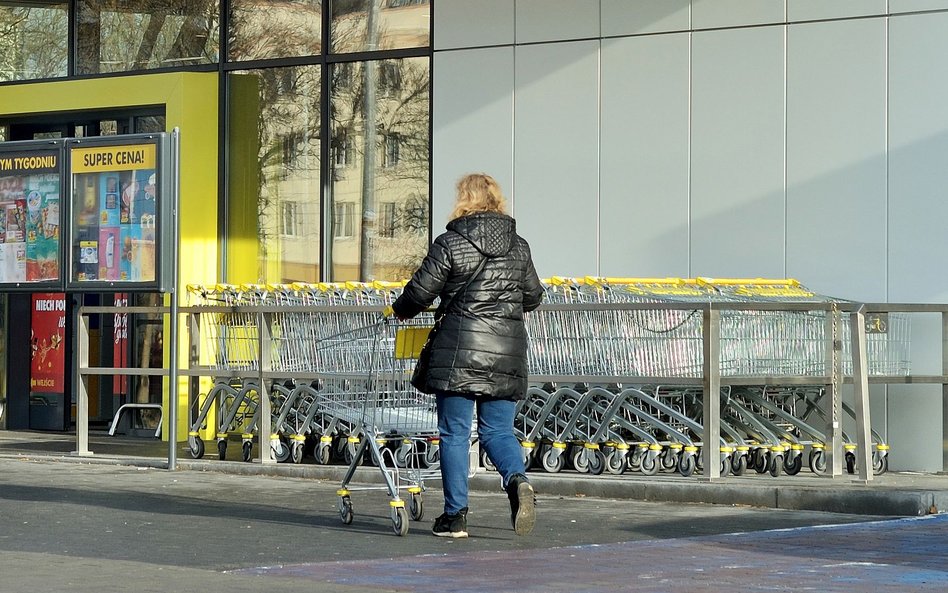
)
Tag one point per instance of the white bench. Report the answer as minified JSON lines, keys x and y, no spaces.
{"x":130,"y":408}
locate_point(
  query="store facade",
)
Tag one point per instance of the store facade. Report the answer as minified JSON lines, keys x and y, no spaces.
{"x":681,"y":138}
{"x":275,"y":103}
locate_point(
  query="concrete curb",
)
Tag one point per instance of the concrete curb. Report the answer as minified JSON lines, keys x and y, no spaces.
{"x":834,"y":496}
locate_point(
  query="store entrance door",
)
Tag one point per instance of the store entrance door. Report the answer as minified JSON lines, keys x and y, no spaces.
{"x":40,"y":355}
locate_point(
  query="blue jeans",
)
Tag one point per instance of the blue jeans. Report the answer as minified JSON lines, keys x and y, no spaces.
{"x":495,"y":432}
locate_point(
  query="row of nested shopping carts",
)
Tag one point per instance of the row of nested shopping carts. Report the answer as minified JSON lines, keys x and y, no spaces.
{"x":603,"y":399}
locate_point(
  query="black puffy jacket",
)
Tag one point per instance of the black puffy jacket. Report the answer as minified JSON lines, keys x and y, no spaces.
{"x":481,"y":346}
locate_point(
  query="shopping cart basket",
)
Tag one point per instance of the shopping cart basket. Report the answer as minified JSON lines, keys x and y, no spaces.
{"x":389,"y":413}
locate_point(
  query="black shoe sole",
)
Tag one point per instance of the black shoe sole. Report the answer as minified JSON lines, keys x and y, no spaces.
{"x":451,"y":534}
{"x":526,"y":516}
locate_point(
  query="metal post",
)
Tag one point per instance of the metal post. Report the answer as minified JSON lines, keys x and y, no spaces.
{"x":711,"y":344}
{"x":82,"y":387}
{"x":944,"y":392}
{"x":857,"y":324}
{"x":173,"y":395}
{"x":265,"y":365}
{"x":832,"y":404}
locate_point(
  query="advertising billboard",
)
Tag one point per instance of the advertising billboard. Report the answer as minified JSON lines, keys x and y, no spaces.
{"x":119,"y":213}
{"x":31,"y":215}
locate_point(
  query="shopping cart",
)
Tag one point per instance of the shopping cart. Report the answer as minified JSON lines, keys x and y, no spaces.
{"x":393,"y":422}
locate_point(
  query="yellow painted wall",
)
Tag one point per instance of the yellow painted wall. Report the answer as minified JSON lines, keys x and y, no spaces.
{"x":191,"y":105}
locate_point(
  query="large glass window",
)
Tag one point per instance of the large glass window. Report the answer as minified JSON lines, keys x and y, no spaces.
{"x":123,"y":35}
{"x":273,"y":185}
{"x":380,"y":190}
{"x":263,"y":30}
{"x":33,"y":40}
{"x":369,"y":25}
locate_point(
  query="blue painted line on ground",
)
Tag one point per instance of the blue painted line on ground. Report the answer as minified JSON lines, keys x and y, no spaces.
{"x":902,"y":555}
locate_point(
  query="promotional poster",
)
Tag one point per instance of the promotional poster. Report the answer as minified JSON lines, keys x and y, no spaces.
{"x":30,"y":216}
{"x":115,"y":200}
{"x":47,"y":351}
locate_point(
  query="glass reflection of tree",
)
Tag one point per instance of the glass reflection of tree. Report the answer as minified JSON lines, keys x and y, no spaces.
{"x":117,"y":36}
{"x":33,"y":42}
{"x":278,"y":31}
{"x":396,"y":105}
{"x":288,"y":139}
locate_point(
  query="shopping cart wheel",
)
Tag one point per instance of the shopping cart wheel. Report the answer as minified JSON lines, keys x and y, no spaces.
{"x":486,"y":463}
{"x":416,"y":507}
{"x":196,"y":446}
{"x":400,"y":520}
{"x":776,"y":465}
{"x":595,"y":461}
{"x":432,"y":455}
{"x":850,"y":462}
{"x":323,"y":453}
{"x":616,"y":462}
{"x":880,"y":464}
{"x":817,"y":461}
{"x":221,"y":449}
{"x":649,"y":465}
{"x":345,"y":509}
{"x":793,"y":466}
{"x":247,"y":450}
{"x":739,"y":465}
{"x":760,"y":461}
{"x":686,"y":465}
{"x":552,"y":462}
{"x":281,"y":452}
{"x":669,"y":458}
{"x":296,"y":452}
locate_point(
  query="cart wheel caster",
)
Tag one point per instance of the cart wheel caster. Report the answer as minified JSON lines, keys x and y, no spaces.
{"x":416,"y":507}
{"x":281,"y":452}
{"x":221,"y":449}
{"x":400,"y":520}
{"x":247,"y":450}
{"x":817,"y":461}
{"x":196,"y":446}
{"x":345,"y":509}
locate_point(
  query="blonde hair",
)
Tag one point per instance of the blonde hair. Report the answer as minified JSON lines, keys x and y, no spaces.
{"x":478,"y":192}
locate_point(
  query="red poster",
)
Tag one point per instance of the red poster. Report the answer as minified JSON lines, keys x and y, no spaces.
{"x":48,"y":330}
{"x":120,"y":344}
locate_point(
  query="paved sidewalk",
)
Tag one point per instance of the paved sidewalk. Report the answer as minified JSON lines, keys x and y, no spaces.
{"x":894,"y":493}
{"x":99,"y":527}
{"x":903,"y":556}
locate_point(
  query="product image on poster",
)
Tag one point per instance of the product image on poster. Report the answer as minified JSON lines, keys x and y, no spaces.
{"x":115,"y":197}
{"x":30,"y":217}
{"x":47,"y":351}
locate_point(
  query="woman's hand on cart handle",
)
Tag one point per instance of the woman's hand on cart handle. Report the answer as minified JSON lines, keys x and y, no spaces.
{"x":388,"y":311}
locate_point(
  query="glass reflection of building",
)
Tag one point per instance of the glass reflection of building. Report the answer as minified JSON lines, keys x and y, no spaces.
{"x":325,"y":112}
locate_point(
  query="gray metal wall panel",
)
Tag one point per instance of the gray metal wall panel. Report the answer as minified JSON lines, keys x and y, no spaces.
{"x":735,"y":13}
{"x":556,"y":154}
{"x":630,"y":17}
{"x":555,"y":20}
{"x":836,"y":166}
{"x":462,"y":23}
{"x":472,"y":119}
{"x":913,"y":5}
{"x":918,"y":151}
{"x":737,"y":160}
{"x":644,"y":156}
{"x":801,"y":10}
